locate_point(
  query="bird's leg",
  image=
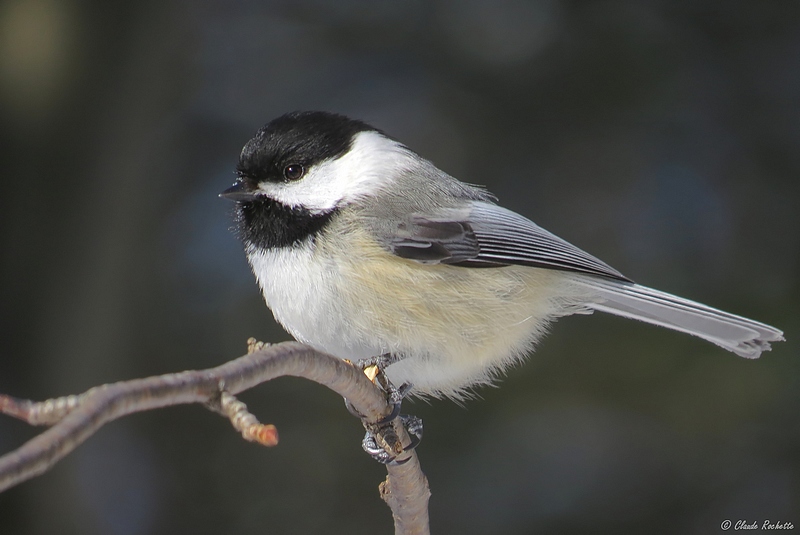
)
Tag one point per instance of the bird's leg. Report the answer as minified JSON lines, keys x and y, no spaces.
{"x":381,"y":441}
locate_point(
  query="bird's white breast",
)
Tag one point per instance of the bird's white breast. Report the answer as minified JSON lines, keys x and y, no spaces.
{"x":303,"y":289}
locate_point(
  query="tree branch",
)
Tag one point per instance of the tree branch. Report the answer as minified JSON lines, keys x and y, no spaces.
{"x":75,"y":418}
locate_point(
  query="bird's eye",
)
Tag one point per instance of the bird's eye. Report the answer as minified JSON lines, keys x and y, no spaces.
{"x":293,"y":171}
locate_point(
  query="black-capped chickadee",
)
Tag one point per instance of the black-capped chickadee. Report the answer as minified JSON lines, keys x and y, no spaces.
{"x":362,"y":248}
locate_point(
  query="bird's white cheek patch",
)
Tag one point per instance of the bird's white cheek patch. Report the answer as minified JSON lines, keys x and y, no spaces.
{"x":362,"y":171}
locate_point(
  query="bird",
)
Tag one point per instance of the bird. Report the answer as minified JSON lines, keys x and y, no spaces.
{"x":361,"y":248}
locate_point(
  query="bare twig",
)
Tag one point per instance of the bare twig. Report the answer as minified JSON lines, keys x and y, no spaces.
{"x":75,"y":418}
{"x":243,"y":420}
{"x":406,"y":492}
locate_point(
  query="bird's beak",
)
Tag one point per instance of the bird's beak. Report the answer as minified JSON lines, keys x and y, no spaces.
{"x":239,"y":192}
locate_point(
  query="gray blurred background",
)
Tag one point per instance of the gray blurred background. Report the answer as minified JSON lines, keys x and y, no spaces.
{"x":661,"y":136}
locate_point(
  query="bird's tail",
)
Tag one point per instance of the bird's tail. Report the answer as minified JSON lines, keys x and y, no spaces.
{"x":745,"y":337}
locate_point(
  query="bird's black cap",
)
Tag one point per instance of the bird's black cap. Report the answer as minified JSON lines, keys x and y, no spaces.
{"x":304,"y":137}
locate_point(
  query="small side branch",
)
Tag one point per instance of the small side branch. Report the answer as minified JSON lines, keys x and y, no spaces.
{"x":243,"y":420}
{"x":75,"y":418}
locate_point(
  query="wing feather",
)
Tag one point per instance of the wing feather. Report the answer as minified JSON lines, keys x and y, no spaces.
{"x":487,"y":235}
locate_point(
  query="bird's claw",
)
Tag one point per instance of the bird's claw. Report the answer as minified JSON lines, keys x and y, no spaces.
{"x":381,"y":441}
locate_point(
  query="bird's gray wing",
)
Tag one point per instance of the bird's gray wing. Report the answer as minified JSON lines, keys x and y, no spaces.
{"x":482,"y":234}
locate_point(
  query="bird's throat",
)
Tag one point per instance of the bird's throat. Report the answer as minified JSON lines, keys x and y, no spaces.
{"x":269,"y":224}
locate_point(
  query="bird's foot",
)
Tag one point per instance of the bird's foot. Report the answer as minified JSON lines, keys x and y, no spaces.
{"x":381,"y":441}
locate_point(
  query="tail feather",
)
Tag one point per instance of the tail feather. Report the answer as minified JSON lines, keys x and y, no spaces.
{"x":745,"y":337}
